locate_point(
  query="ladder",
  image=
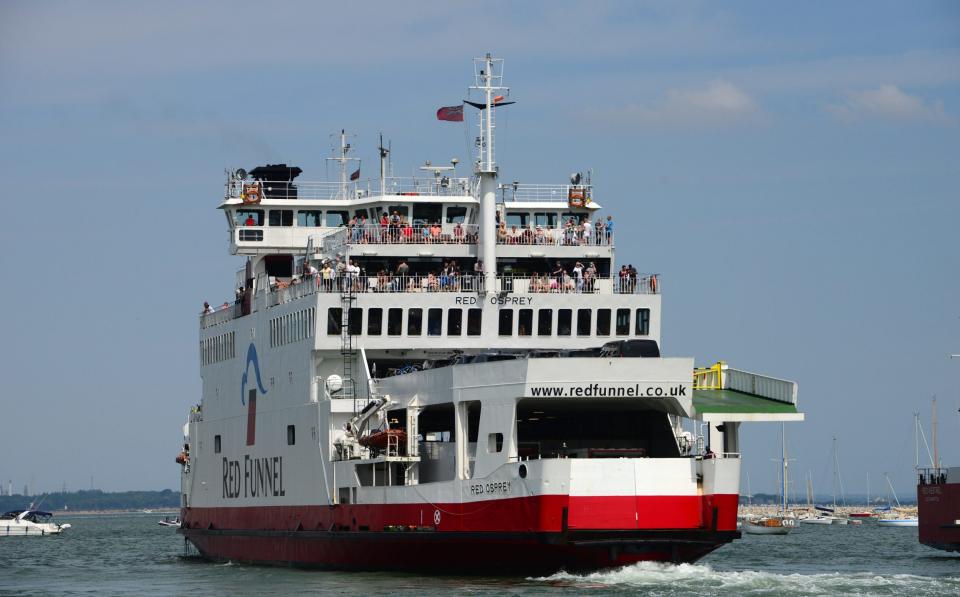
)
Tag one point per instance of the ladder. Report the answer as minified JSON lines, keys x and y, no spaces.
{"x":347,"y":351}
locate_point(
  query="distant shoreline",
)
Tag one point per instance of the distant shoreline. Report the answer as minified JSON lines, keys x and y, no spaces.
{"x":157,"y":511}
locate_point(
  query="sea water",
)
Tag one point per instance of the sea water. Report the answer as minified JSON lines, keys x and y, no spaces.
{"x":133,"y":555}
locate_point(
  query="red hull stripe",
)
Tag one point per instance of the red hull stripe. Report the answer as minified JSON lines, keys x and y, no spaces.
{"x":537,"y":514}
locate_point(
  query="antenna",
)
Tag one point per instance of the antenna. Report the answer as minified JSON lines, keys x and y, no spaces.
{"x":384,"y":152}
{"x":343,"y":161}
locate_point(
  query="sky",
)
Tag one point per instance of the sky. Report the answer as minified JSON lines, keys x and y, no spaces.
{"x":790,"y":170}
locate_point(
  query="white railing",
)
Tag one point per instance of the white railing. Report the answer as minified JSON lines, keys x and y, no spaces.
{"x":222,"y":314}
{"x":563,"y":236}
{"x":544,"y":192}
{"x":404,"y":186}
{"x":780,"y":390}
{"x":440,"y":234}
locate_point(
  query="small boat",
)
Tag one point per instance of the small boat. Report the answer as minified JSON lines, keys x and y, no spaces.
{"x":817,"y":520}
{"x":769,"y":525}
{"x":380,"y":439}
{"x":909,"y":521}
{"x":166,"y":522}
{"x":861,"y":515}
{"x":29,"y":522}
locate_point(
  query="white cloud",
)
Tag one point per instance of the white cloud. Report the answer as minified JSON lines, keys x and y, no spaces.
{"x":888,"y":102}
{"x":719,"y":104}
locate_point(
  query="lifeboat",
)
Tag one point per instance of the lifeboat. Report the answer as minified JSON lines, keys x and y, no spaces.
{"x":379,"y":439}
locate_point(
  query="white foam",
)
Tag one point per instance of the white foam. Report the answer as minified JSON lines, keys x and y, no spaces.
{"x":700,"y":578}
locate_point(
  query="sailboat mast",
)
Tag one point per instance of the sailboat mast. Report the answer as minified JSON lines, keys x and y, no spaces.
{"x":933,"y":425}
{"x":783,"y":457}
{"x":834,"y":473}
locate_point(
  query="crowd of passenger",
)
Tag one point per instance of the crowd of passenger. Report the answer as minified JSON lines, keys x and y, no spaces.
{"x":573,"y":232}
{"x":338,"y":275}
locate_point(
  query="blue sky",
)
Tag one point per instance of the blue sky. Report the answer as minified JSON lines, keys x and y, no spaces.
{"x":790,"y":169}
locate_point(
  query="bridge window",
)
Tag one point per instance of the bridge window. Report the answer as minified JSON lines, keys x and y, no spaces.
{"x":583,"y":322}
{"x":414,"y":322}
{"x":374,"y":321}
{"x":356,"y":321}
{"x":545,"y":219}
{"x":434,"y":322}
{"x":216,"y":444}
{"x":525,"y":323}
{"x":336,"y":218}
{"x":454,"y":322}
{"x":281,"y":217}
{"x":291,"y":435}
{"x":456,"y":215}
{"x":517,"y":219}
{"x":603,"y":322}
{"x":427,"y":213}
{"x":395,"y":322}
{"x":623,"y":322}
{"x":310,"y":218}
{"x":545,"y":322}
{"x":564,"y":322}
{"x":249,"y":217}
{"x":643,"y":322}
{"x":506,"y":322}
{"x":474,"y":321}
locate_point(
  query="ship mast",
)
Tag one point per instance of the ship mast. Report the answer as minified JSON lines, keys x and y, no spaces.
{"x":343,"y":161}
{"x":488,"y":81}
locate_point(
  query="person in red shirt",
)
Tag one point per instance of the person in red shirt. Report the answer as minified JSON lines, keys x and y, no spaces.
{"x":250,"y":221}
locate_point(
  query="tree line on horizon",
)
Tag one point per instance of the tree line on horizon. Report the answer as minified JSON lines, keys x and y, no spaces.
{"x":93,"y":499}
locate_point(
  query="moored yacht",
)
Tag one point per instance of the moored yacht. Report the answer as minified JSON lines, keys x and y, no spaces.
{"x":29,"y":522}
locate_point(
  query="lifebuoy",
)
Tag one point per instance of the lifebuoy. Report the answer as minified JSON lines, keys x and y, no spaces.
{"x":251,"y":193}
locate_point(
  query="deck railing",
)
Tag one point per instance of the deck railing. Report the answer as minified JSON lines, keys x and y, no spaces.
{"x":326,"y":191}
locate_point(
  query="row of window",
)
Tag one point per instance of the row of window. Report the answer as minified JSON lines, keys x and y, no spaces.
{"x":310,"y":218}
{"x":217,"y":348}
{"x":547,"y":322}
{"x":292,"y":327}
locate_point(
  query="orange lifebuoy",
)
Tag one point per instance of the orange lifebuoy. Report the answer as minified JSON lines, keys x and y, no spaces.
{"x":251,"y":193}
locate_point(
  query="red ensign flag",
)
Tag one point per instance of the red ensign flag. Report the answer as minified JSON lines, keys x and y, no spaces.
{"x":451,"y":113}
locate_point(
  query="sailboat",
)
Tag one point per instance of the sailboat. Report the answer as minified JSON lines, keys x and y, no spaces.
{"x":864,"y":513}
{"x":781,"y":524}
{"x":897,"y":521}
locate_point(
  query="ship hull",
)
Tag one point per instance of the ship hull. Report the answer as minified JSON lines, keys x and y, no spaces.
{"x":487,"y":553}
{"x":533,"y":536}
{"x":939,"y":515}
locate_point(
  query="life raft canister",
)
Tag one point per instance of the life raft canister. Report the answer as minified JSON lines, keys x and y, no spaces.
{"x":251,"y":193}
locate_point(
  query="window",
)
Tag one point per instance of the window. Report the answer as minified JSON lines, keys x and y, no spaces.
{"x":400,"y":209}
{"x":545,"y":322}
{"x":434,"y":322}
{"x":474,"y":320}
{"x":456,"y":215}
{"x":525,"y":323}
{"x":334,"y":320}
{"x":360,"y":212}
{"x":336,"y":218}
{"x":309,"y":219}
{"x":281,"y":217}
{"x":374,"y":321}
{"x":494,"y":443}
{"x":249,"y":217}
{"x":454,"y":322}
{"x":517,"y":219}
{"x":564,"y":321}
{"x":506,"y":322}
{"x":427,"y":213}
{"x":414,"y":322}
{"x":395,"y":322}
{"x":623,"y":322}
{"x":583,"y":322}
{"x":577,"y":218}
{"x":291,"y":435}
{"x":545,"y":219}
{"x":603,"y":322}
{"x":216,"y":444}
{"x":643,"y":322}
{"x":356,"y":321}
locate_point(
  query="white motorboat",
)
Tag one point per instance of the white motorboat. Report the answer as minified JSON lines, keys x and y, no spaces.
{"x":29,"y":522}
{"x":166,"y":522}
{"x":817,"y":520}
{"x":909,"y":521}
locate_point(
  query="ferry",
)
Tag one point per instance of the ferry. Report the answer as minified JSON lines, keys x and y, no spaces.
{"x":452,"y":373}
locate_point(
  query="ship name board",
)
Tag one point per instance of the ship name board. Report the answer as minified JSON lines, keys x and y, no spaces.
{"x":494,"y":300}
{"x":253,"y":477}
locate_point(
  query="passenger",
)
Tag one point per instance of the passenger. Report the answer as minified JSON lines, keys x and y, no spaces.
{"x":327,"y":275}
{"x":609,"y":229}
{"x":458,"y":233}
{"x":309,"y":270}
{"x":587,"y":232}
{"x":578,"y":276}
{"x":384,"y":227}
{"x":225,"y":305}
{"x":407,"y":233}
{"x":250,"y":221}
{"x":557,"y":274}
{"x":207,"y":309}
{"x":502,"y":233}
{"x":600,"y":228}
{"x":395,"y":222}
